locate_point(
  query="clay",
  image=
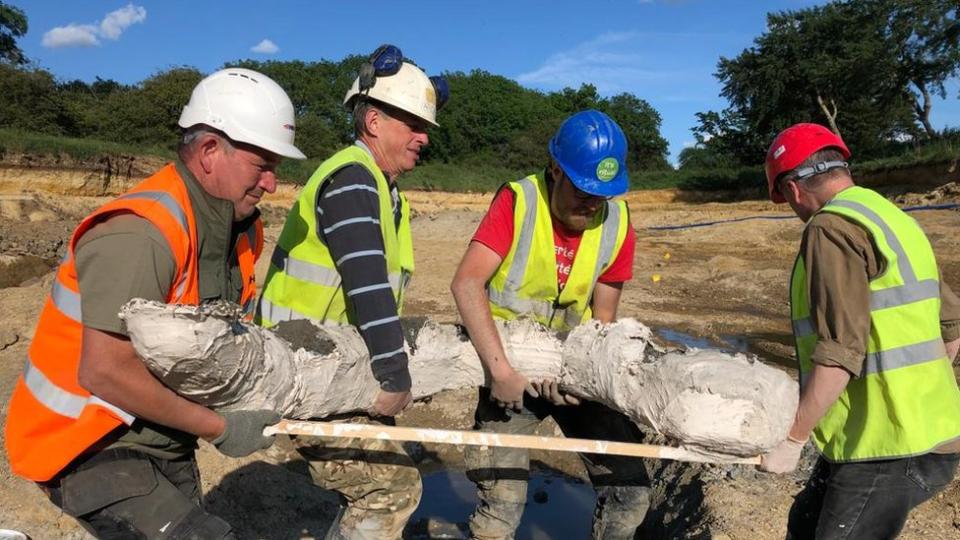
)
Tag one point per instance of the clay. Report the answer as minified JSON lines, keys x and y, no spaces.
{"x":705,"y":399}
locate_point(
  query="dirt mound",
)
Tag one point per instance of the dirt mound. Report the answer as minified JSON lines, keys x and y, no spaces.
{"x":725,"y":283}
{"x":34,"y":225}
{"x":33,"y":233}
{"x":107,"y":174}
{"x":945,"y":194}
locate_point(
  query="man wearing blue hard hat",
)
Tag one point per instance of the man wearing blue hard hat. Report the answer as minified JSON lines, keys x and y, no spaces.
{"x":553,"y":247}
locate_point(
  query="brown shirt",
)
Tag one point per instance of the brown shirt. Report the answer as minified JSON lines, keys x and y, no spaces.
{"x":126,"y":257}
{"x":841,"y":261}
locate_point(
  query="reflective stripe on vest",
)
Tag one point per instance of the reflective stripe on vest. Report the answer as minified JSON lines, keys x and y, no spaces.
{"x":61,"y":401}
{"x":67,"y":301}
{"x":51,"y":418}
{"x":562,"y":311}
{"x":912,"y":290}
{"x":906,"y":401}
{"x":303,"y":281}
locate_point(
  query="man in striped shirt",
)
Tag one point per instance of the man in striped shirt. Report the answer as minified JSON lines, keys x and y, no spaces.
{"x":345,"y":255}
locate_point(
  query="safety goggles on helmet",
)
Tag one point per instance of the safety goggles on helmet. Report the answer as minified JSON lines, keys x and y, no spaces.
{"x":386,"y":61}
{"x":793,"y":146}
{"x":819,"y":168}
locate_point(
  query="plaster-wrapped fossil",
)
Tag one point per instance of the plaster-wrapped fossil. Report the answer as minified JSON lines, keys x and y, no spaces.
{"x":704,"y":399}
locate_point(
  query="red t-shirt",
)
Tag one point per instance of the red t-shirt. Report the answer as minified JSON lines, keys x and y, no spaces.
{"x":496,"y":232}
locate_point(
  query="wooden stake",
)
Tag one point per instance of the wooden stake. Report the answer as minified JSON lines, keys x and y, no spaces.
{"x":481,"y":438}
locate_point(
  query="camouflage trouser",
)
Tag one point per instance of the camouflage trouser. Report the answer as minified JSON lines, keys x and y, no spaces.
{"x":501,"y":473}
{"x":377,"y":478}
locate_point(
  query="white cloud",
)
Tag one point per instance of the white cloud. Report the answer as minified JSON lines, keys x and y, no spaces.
{"x":605,"y":61}
{"x":265,"y":47}
{"x":71,"y":35}
{"x":88,"y":35}
{"x":117,"y":21}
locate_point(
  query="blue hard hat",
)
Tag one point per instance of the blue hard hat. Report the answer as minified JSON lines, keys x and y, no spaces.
{"x":592,"y":149}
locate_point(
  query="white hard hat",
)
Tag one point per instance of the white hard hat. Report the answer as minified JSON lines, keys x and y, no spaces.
{"x":409,"y":89}
{"x":248,"y":107}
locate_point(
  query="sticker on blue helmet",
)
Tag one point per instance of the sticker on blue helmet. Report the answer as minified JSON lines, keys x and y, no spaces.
{"x":607,"y":169}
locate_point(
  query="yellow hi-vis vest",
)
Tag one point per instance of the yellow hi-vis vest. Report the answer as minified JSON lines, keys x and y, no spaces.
{"x":303,"y":281}
{"x":906,"y":401}
{"x":526,"y":281}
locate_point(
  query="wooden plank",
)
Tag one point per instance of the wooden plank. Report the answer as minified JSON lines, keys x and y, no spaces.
{"x":480,"y":438}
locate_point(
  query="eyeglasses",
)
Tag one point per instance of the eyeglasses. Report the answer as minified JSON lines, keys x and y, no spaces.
{"x":386,"y":61}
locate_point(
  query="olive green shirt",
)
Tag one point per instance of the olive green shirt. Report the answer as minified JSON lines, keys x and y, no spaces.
{"x":125,"y":257}
{"x":841,"y":261}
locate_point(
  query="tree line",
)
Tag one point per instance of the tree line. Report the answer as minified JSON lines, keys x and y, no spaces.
{"x":489,"y":119}
{"x":867,"y":69}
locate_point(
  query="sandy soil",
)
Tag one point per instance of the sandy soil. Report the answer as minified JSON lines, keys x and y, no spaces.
{"x":723,"y":285}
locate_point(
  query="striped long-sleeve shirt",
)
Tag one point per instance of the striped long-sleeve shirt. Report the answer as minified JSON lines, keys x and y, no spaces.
{"x":348,"y":211}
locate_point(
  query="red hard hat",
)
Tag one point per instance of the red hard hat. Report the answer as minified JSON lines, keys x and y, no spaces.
{"x":792,"y":146}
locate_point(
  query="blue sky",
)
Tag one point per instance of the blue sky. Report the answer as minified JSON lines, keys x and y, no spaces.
{"x":663,"y":51}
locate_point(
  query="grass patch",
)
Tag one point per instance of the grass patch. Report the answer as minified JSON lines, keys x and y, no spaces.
{"x":700,"y":180}
{"x":943,"y":150}
{"x":480,"y":176}
{"x":297,"y":171}
{"x":425,"y":177}
{"x":459,"y":178}
{"x":39,"y":144}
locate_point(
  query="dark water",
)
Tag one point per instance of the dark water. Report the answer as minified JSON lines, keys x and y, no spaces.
{"x":751,"y":343}
{"x":726,"y":343}
{"x":558,"y":507}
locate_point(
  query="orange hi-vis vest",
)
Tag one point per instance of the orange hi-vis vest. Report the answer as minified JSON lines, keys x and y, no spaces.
{"x":51,"y":418}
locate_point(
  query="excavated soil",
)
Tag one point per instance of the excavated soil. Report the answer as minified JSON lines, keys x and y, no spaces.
{"x":722,"y":286}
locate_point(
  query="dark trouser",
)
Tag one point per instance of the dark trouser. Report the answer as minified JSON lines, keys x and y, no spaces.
{"x":866,"y":500}
{"x":501,"y":473}
{"x":123,"y":493}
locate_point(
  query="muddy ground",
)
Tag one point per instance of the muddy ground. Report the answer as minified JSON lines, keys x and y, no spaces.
{"x":719,"y":286}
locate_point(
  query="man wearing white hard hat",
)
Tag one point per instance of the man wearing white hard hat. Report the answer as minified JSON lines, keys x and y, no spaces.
{"x":345,"y":256}
{"x":105,"y":440}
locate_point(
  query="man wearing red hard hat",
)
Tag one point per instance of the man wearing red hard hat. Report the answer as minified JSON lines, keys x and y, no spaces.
{"x":875,"y":331}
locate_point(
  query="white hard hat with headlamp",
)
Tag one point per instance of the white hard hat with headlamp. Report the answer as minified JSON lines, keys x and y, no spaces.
{"x":389,"y":78}
{"x":248,"y":107}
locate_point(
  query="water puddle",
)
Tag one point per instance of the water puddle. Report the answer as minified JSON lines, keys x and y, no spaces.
{"x":758,"y":344}
{"x":557,"y":507}
{"x":733,"y":344}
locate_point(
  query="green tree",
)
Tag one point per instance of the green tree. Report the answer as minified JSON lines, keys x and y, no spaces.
{"x":831,"y":64}
{"x":316,"y":90}
{"x":29,"y":100}
{"x":148,"y":112}
{"x":702,"y":157}
{"x":640,"y":122}
{"x":486,"y":112}
{"x":13,"y":25}
{"x":925,"y":35}
{"x":569,"y":101}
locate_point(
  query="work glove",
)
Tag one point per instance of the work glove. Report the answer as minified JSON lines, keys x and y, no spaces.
{"x":507,"y":392}
{"x":783,"y":458}
{"x":244,"y":432}
{"x":390,"y":403}
{"x":549,"y":389}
